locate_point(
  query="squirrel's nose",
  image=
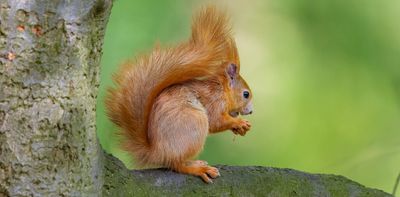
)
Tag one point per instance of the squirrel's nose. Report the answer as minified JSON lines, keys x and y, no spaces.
{"x":250,"y":112}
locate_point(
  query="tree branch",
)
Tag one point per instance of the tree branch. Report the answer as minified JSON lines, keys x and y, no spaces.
{"x":234,"y":181}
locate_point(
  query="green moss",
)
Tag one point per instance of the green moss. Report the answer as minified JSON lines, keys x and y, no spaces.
{"x":234,"y":181}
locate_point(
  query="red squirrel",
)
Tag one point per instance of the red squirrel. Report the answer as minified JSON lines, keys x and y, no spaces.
{"x":167,"y":102}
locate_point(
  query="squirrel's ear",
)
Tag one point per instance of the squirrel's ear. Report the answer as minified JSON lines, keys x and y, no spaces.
{"x":231,"y":70}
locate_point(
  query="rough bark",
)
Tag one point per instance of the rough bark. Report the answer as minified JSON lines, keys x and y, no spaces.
{"x":49,"y":74}
{"x":234,"y":181}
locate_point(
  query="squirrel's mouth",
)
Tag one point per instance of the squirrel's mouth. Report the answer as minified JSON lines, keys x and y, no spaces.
{"x":234,"y":113}
{"x":248,"y":109}
{"x":243,"y":113}
{"x":246,"y":113}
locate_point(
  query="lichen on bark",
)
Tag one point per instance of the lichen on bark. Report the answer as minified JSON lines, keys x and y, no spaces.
{"x":49,"y":74}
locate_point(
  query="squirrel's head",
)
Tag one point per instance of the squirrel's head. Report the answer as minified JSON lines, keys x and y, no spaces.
{"x":241,"y":95}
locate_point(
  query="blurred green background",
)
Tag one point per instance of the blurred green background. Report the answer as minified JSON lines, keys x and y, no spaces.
{"x":325,"y":77}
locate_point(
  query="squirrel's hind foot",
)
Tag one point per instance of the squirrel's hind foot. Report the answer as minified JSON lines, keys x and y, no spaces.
{"x":198,"y":168}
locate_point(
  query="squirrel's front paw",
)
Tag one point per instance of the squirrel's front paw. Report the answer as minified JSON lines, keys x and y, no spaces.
{"x":241,"y":127}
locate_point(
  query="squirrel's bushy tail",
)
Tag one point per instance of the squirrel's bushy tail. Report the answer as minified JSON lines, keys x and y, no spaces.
{"x":139,"y":83}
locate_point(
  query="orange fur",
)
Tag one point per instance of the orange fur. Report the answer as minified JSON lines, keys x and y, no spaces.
{"x":166,"y":103}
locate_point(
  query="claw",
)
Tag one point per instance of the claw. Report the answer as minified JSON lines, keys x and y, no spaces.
{"x":206,"y":178}
{"x":213,"y":172}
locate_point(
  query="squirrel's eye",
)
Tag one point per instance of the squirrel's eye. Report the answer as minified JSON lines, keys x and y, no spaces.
{"x":246,"y":94}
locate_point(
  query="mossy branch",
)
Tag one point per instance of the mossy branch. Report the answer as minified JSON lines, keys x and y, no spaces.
{"x":234,"y":181}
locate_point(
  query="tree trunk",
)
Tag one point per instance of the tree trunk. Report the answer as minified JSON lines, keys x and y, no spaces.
{"x":49,"y":75}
